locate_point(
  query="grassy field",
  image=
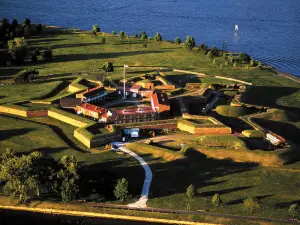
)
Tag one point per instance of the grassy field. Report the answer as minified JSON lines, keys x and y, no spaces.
{"x":55,"y":138}
{"x":232,"y":111}
{"x":23,"y":92}
{"x":80,"y":52}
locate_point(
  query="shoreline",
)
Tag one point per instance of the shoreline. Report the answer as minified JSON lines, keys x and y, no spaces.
{"x":273,"y":68}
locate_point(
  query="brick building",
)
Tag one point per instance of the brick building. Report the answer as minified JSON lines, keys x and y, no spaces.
{"x":160,"y":102}
{"x":92,"y":95}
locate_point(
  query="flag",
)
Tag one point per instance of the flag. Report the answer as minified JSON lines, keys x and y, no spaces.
{"x":126,"y":66}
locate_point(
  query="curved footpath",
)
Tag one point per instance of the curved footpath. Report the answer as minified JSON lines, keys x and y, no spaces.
{"x":141,"y":203}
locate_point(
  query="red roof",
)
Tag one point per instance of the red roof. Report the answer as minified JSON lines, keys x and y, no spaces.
{"x":135,"y":87}
{"x":92,"y":108}
{"x":92,"y":91}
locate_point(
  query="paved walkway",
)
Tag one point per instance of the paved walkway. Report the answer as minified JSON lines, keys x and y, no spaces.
{"x":141,"y":203}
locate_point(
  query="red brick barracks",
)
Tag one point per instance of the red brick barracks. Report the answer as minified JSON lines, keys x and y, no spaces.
{"x":159,"y":105}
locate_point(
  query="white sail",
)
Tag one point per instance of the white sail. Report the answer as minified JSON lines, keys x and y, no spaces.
{"x":236,"y":28}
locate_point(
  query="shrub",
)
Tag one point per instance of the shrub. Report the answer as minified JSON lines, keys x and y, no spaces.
{"x":144,"y":35}
{"x":108,"y":67}
{"x":178,"y":41}
{"x":231,"y":111}
{"x":216,"y":200}
{"x":121,"y":189}
{"x":149,"y":38}
{"x":96,"y":28}
{"x":190,"y":43}
{"x":191,"y":191}
{"x":27,"y":22}
{"x":113,"y":32}
{"x":103,"y":40}
{"x":215,"y":51}
{"x":294,"y":210}
{"x":122,"y":36}
{"x":135,"y":35}
{"x":252,"y":63}
{"x":158,"y":37}
{"x":251,"y":203}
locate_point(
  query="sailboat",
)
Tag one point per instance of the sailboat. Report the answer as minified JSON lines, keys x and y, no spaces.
{"x":236,"y":28}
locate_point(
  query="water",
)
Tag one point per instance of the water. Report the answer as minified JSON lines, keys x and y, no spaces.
{"x":269,"y":30}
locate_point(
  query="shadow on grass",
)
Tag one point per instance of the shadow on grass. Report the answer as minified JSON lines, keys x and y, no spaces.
{"x":223,"y":191}
{"x":56,"y":130}
{"x":174,"y":177}
{"x":79,"y":57}
{"x":6,"y":134}
{"x":8,"y":71}
{"x":286,"y":130}
{"x":268,"y":96}
{"x":43,"y":39}
{"x":286,"y":205}
{"x":49,"y":150}
{"x":241,"y":200}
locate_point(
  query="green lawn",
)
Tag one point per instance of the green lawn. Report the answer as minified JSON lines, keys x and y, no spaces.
{"x":73,"y":53}
{"x":23,"y":92}
{"x":233,"y":181}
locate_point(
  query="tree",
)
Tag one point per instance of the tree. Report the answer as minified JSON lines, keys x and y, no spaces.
{"x":108,"y":67}
{"x":190,"y":43}
{"x":251,"y":203}
{"x":122,"y":36}
{"x":14,"y":24}
{"x":144,"y":35}
{"x":215,"y":51}
{"x":252,"y":63}
{"x":216,"y":200}
{"x":18,"y":49}
{"x":113,"y":32}
{"x":294,"y":210}
{"x":202,"y":47}
{"x":27,"y":22}
{"x":66,"y":178}
{"x":47,"y":56}
{"x":121,"y":189}
{"x":135,"y":35}
{"x":191,"y":191}
{"x":178,"y":41}
{"x":96,"y":28}
{"x":158,"y":38}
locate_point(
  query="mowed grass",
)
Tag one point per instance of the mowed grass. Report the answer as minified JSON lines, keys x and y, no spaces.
{"x":52,"y":137}
{"x":233,"y":181}
{"x":24,"y":92}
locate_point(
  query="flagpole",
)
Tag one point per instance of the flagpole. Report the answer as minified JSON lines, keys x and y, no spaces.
{"x":124,"y":82}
